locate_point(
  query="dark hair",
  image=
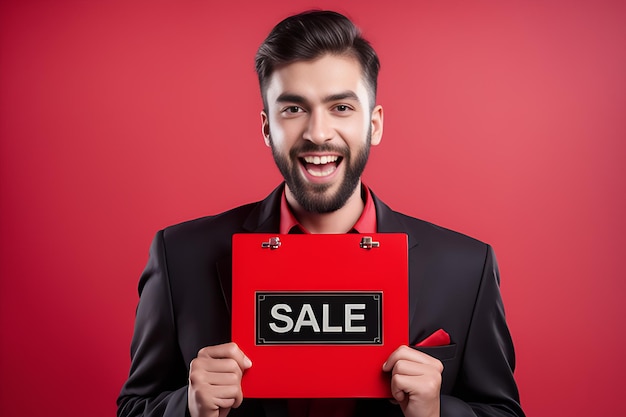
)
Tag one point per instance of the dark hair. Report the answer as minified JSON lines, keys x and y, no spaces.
{"x":309,"y":35}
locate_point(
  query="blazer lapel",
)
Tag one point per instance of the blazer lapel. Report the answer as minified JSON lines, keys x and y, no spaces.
{"x":390,"y":221}
{"x":224,"y":273}
{"x":264,"y":218}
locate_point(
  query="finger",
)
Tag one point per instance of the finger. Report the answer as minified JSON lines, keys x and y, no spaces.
{"x":215,"y":391}
{"x":238,"y":398}
{"x":226,"y":351}
{"x":222,"y":378}
{"x":211,"y":372}
{"x":215,"y":365}
{"x":397,"y":393}
{"x":409,"y":354}
{"x":423,"y":388}
{"x":226,"y":395}
{"x":215,"y":398}
{"x":411,"y":368}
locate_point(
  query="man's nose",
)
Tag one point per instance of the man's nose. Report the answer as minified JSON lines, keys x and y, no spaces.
{"x":319,"y":128}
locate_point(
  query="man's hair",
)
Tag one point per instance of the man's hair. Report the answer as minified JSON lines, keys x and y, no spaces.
{"x":309,"y":35}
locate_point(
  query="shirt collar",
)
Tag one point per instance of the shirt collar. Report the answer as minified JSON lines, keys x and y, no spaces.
{"x":365,"y":224}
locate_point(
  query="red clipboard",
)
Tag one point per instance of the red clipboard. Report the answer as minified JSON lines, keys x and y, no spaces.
{"x":318,"y":315}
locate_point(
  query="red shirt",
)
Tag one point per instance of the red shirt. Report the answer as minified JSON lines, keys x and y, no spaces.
{"x":365,"y":224}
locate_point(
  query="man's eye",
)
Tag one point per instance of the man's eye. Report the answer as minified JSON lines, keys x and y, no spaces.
{"x":293,"y":109}
{"x":342,"y":108}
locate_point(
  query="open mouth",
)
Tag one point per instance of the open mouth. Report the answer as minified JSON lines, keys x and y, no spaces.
{"x":321,"y":166}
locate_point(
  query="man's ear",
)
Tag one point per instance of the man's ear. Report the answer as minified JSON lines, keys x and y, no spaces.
{"x":377,"y":124}
{"x":265,"y":127}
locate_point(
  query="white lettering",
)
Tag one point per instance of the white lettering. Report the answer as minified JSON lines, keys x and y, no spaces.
{"x":306,"y":311}
{"x":350,"y":317}
{"x":281,"y":317}
{"x":326,"y":318}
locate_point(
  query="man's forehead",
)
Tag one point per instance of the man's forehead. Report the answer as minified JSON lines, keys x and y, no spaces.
{"x":327,"y":76}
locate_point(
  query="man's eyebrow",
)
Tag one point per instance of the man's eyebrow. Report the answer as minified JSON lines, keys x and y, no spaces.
{"x":290,"y":98}
{"x":346,"y":95}
{"x":298,"y":99}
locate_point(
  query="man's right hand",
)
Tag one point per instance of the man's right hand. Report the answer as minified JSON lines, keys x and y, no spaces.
{"x":215,"y":380}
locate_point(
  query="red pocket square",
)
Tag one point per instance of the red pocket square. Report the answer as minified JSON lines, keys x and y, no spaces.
{"x":439,"y":338}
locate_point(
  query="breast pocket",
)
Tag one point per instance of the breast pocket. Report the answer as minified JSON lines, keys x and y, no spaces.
{"x":443,"y":353}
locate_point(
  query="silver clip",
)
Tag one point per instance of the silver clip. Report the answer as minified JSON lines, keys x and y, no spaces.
{"x":368,"y":243}
{"x":273,"y":243}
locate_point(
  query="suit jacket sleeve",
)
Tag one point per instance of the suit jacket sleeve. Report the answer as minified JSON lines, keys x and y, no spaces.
{"x":485,"y":383}
{"x":157,"y":382}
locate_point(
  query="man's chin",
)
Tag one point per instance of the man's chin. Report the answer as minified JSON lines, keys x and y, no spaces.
{"x":320,"y":198}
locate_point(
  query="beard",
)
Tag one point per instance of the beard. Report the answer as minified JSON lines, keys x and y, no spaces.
{"x":313,"y":197}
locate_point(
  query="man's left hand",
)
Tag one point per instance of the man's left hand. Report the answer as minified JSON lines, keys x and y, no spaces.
{"x":415,"y":381}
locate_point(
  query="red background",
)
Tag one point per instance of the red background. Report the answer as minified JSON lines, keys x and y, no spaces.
{"x":504,"y":120}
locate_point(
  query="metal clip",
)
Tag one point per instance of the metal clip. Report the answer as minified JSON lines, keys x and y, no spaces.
{"x":368,"y":243}
{"x":273,"y":243}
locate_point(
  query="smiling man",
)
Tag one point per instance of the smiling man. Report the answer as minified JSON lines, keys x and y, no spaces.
{"x":320,"y":122}
{"x":318,"y":80}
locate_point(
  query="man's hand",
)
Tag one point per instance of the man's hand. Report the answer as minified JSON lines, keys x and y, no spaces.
{"x":415,"y":381}
{"x":215,"y":380}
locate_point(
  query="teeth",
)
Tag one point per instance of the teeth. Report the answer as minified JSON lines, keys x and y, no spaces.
{"x":322,"y":173}
{"x":320,"y":160}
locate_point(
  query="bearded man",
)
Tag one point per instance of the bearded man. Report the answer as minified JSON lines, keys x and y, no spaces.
{"x":318,"y":79}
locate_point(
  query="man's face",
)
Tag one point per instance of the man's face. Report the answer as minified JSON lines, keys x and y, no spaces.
{"x":319,"y":126}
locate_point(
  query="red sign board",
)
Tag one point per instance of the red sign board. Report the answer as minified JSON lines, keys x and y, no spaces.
{"x":318,"y":315}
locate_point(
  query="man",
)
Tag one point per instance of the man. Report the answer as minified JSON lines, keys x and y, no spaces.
{"x":318,"y":82}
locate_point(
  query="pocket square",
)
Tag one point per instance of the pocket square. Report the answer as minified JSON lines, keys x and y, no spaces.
{"x":439,"y":338}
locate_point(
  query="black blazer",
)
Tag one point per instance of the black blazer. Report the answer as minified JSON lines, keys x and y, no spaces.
{"x":184,"y":305}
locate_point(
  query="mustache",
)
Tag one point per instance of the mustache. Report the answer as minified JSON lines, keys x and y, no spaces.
{"x":312,"y":147}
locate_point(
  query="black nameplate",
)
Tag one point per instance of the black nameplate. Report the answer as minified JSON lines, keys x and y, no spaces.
{"x":316,"y":318}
